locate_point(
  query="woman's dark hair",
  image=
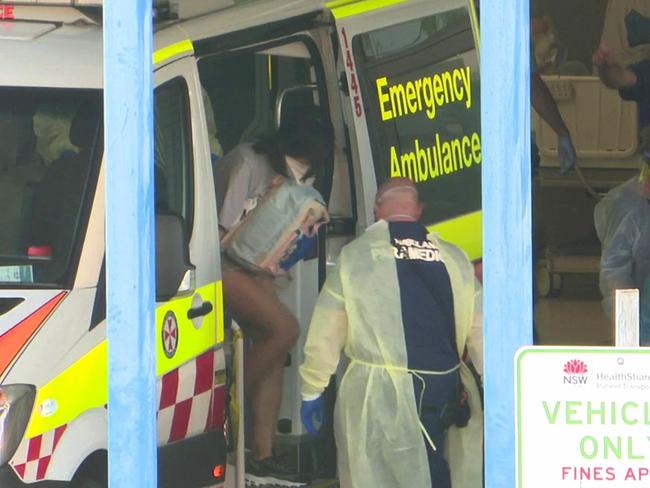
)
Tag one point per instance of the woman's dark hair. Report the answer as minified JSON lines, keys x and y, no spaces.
{"x":303,"y":134}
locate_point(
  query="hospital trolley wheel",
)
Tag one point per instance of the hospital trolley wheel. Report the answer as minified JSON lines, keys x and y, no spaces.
{"x":548,"y":283}
{"x":556,"y":284}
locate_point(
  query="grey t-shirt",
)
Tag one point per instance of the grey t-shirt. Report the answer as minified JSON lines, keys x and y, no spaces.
{"x":241,"y":177}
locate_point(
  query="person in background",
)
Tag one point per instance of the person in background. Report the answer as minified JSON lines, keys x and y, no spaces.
{"x":300,"y":148}
{"x":400,"y":304}
{"x":624,"y":220}
{"x":632,"y":82}
{"x":545,"y":106}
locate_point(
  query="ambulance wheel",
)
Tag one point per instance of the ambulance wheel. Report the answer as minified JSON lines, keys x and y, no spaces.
{"x":83,"y":482}
{"x":93,"y":472}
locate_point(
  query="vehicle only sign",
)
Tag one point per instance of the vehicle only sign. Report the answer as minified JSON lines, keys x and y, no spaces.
{"x":582,"y":417}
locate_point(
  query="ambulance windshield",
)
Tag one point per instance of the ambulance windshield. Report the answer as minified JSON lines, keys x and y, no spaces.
{"x":50,"y":142}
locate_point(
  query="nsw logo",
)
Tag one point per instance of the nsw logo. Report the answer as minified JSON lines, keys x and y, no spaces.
{"x":575,"y":372}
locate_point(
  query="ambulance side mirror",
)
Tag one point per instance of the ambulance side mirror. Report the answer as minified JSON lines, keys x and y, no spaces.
{"x":173,"y":267}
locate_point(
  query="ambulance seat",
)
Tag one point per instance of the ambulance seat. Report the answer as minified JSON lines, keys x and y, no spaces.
{"x":19,"y":168}
{"x":59,"y":196}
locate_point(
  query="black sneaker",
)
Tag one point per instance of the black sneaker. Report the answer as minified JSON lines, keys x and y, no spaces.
{"x":269,"y":472}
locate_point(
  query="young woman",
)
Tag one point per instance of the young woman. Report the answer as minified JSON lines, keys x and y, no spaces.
{"x":300,"y":148}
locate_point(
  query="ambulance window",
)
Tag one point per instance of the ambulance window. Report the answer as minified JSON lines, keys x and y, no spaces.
{"x":420,"y":87}
{"x":173,"y":151}
{"x":244,"y":89}
{"x":51,"y":141}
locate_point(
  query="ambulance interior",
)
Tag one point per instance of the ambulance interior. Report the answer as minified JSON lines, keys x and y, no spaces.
{"x":51,"y":145}
{"x":248,"y":92}
{"x":605,"y":133}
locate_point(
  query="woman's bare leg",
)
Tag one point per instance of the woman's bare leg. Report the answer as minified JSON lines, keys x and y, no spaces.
{"x":274,"y":331}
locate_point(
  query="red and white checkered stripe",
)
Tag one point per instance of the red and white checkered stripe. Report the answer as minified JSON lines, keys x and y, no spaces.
{"x":188,"y":400}
{"x":33,"y":455}
{"x":188,"y":404}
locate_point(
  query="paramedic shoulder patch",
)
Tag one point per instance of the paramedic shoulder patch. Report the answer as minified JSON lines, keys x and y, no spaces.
{"x":415,"y":250}
{"x":170,"y":334}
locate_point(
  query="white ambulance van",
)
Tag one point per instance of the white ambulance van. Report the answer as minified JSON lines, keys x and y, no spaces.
{"x":399,"y":80}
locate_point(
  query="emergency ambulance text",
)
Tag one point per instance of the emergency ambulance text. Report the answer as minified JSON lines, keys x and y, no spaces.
{"x":427,"y":93}
{"x":443,"y":158}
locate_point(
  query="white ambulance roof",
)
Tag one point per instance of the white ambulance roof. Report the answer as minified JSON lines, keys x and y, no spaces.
{"x":69,"y":56}
{"x":63,"y":55}
{"x":247,"y":15}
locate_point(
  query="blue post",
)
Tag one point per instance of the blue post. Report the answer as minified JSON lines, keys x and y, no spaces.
{"x":507,"y":276}
{"x":130,"y":259}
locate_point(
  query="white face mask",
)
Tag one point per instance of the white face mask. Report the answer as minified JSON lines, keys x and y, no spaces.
{"x":298,"y":170}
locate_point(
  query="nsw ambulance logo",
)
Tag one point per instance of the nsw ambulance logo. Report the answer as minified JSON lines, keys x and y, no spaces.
{"x":575,"y":372}
{"x":170,"y":334}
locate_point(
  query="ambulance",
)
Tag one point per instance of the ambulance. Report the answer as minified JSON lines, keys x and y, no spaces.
{"x":399,"y":80}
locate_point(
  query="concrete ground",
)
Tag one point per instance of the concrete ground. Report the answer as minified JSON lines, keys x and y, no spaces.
{"x":575,"y":316}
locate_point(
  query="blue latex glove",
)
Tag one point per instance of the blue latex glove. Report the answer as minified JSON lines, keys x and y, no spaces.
{"x":304,"y":247}
{"x":310,"y":411}
{"x":567,"y":154}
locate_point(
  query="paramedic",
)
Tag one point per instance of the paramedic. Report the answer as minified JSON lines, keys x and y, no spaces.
{"x":400,"y":304}
{"x":299,"y":149}
{"x":622,"y":221}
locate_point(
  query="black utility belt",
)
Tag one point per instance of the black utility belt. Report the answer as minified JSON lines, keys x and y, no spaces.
{"x":455,"y":412}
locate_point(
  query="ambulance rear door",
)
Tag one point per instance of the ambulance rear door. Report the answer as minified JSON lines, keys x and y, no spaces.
{"x":411,"y":77}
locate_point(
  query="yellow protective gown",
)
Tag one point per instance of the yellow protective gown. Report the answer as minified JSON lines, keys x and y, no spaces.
{"x":377,"y":428}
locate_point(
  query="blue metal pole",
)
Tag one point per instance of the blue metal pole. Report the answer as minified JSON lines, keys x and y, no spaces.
{"x":507,"y":249}
{"x":130,"y":258}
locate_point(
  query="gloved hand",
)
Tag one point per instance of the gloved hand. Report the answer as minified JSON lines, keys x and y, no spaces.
{"x":310,"y":411}
{"x":567,"y":154}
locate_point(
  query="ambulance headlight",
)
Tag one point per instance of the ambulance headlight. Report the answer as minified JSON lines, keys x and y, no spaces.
{"x":16,"y":403}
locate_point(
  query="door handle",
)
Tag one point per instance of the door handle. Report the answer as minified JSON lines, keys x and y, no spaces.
{"x":204,"y":309}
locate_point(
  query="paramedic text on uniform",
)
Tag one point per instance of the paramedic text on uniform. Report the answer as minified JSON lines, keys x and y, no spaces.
{"x":400,"y":304}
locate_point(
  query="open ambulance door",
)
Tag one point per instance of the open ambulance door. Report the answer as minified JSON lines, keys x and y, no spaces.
{"x":278,"y":58}
{"x":412,"y":83}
